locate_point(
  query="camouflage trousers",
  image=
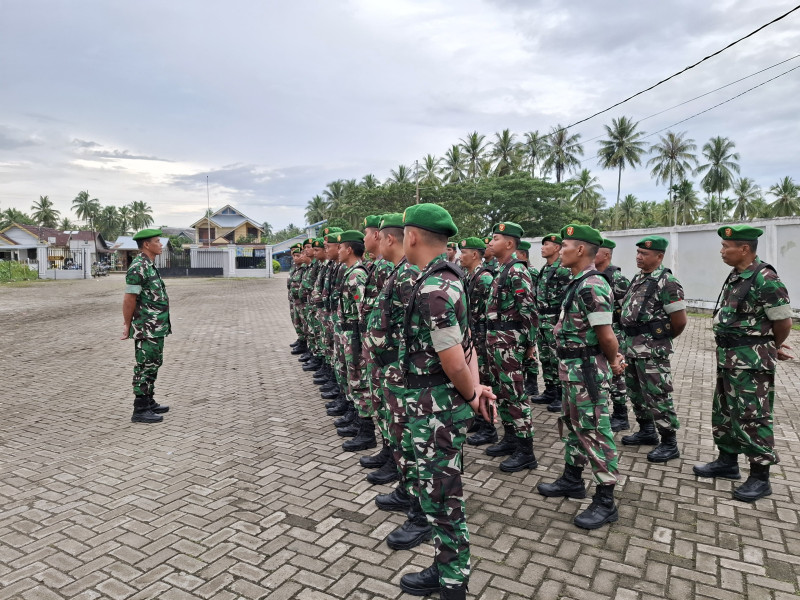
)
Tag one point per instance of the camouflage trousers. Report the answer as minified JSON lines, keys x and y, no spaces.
{"x":149,"y":355}
{"x":438,"y":439}
{"x":506,"y":370}
{"x":357,"y":386}
{"x":618,"y":388}
{"x":401,"y":442}
{"x":296,"y":320}
{"x":649,"y":382}
{"x":585,"y":429}
{"x":741,"y":414}
{"x":381,"y":411}
{"x":546,"y":342}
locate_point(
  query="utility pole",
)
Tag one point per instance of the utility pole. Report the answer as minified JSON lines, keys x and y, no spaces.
{"x":416,"y":177}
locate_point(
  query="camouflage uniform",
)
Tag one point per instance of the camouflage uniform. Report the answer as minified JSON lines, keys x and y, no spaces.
{"x":742,"y":414}
{"x":335,"y":295}
{"x":510,"y":323}
{"x":530,"y":366}
{"x":479,"y":287}
{"x":309,"y":308}
{"x":619,"y":287}
{"x":585,"y":376}
{"x":315,"y":300}
{"x":438,"y":417}
{"x":150,"y":323}
{"x":352,"y":293}
{"x":647,"y":345}
{"x":296,"y":307}
{"x":548,"y":295}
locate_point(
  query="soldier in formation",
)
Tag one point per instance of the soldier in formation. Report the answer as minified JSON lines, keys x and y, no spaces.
{"x":530,"y":366}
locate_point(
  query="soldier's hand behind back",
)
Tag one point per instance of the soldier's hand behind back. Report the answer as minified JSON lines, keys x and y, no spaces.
{"x":782,"y":354}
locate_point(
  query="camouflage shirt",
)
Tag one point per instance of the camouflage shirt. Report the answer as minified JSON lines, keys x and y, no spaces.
{"x":766,"y":300}
{"x":438,"y":317}
{"x":380,"y":272}
{"x":637,"y":310}
{"x":296,"y":282}
{"x":549,"y":293}
{"x":592,"y":304}
{"x":619,"y":286}
{"x":514,"y":302}
{"x":151,"y":315}
{"x":309,"y":277}
{"x":479,"y":286}
{"x":319,"y":282}
{"x":352,"y":294}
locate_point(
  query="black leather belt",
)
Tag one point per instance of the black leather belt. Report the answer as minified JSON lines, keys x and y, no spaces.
{"x":504,"y":325}
{"x":386,"y":358}
{"x":584,"y":352}
{"x":416,"y":382}
{"x":642,"y":327}
{"x":350,"y":327}
{"x":737,"y":341}
{"x":553,"y":310}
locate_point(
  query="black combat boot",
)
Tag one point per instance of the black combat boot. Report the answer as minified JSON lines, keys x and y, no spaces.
{"x":555,"y":405}
{"x":477,"y":422}
{"x":757,"y":485}
{"x":348,"y":418}
{"x":384,"y":475}
{"x":601,"y":511}
{"x":157,"y":408}
{"x":301,"y":348}
{"x":456,"y":593}
{"x":413,"y":532}
{"x":376,"y":461}
{"x":314,"y":364}
{"x":619,"y":418}
{"x":569,"y":485}
{"x":667,"y":449}
{"x":726,"y":465}
{"x":531,"y":385}
{"x":142,"y":412}
{"x":397,"y":501}
{"x":523,"y":457}
{"x":545,"y":397}
{"x":487,"y":434}
{"x":364,"y":439}
{"x":295,"y":343}
{"x":508,"y":444}
{"x":330,"y":391}
{"x":423,"y":583}
{"x":341,"y":407}
{"x":322,"y":376}
{"x":646,"y":436}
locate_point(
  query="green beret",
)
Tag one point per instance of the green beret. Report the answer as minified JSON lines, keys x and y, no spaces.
{"x":452,"y":245}
{"x":582,"y":233}
{"x":308,"y":241}
{"x":653,"y":242}
{"x":526,"y":246}
{"x":508,"y":228}
{"x":552,"y":237}
{"x":472,"y":243}
{"x":430,"y":217}
{"x":486,"y":240}
{"x":297,"y":245}
{"x":296,"y":250}
{"x":610,"y":244}
{"x":392,"y":220}
{"x":350,"y":236}
{"x":329,"y":230}
{"x":372,"y":221}
{"x":318,"y":243}
{"x":742,"y":233}
{"x":146,"y":234}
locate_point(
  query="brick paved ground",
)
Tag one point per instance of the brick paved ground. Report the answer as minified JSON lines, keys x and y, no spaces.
{"x":244,"y":492}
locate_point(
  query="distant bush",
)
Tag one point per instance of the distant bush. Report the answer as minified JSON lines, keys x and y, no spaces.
{"x":14,"y":271}
{"x":276,"y":266}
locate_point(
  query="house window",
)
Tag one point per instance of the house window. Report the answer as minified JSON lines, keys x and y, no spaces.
{"x":205,"y":232}
{"x":252,"y":232}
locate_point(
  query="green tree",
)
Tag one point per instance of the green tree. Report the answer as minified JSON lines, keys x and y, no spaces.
{"x":86,"y":208}
{"x":534,"y":149}
{"x":505,"y":153}
{"x":316,"y":210}
{"x":44,"y":213}
{"x":563,"y":150}
{"x":124,"y":214}
{"x":11,"y":215}
{"x":431,"y":169}
{"x":141,"y":215}
{"x":745,"y":192}
{"x":720,"y":167}
{"x":674,"y":159}
{"x":474,"y":147}
{"x":66,"y":224}
{"x":786,"y":203}
{"x":588,"y":191}
{"x":334,"y":194}
{"x":622,"y":148}
{"x":628,"y":210}
{"x":454,"y":167}
{"x":687,"y":202}
{"x":370,"y":182}
{"x":400,"y":175}
{"x":107,"y":222}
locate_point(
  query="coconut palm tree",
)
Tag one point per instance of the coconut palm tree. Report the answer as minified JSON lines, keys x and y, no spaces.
{"x":534,"y":149}
{"x":124,"y":214}
{"x":66,"y":224}
{"x":622,"y":148}
{"x":687,"y":201}
{"x":673,"y":159}
{"x":12,"y":215}
{"x":453,"y":167}
{"x":44,"y":213}
{"x":563,"y":150}
{"x":745,"y":191}
{"x":86,"y":208}
{"x":316,"y":210}
{"x":108,"y":221}
{"x":474,"y":147}
{"x":370,"y":182}
{"x":141,"y":214}
{"x":400,"y":175}
{"x":430,"y":171}
{"x":588,"y":192}
{"x":334,"y":194}
{"x":627,"y":211}
{"x":505,"y":153}
{"x":720,"y":166}
{"x":786,"y":203}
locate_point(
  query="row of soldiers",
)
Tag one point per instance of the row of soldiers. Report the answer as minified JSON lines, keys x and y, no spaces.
{"x":425,"y":350}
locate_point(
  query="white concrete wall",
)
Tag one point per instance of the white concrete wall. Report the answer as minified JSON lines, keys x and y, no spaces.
{"x":693,"y":255}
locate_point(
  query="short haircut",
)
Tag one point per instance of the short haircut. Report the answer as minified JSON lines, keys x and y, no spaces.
{"x":357,"y":247}
{"x":140,"y":242}
{"x":432,"y":239}
{"x":591,"y":249}
{"x":752,"y":243}
{"x":523,"y":252}
{"x":513,"y":239}
{"x":396,"y":232}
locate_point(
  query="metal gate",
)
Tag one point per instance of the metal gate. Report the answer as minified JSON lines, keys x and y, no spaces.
{"x":179,"y":263}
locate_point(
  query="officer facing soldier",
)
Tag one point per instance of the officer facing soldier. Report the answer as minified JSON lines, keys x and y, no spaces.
{"x":752,"y":320}
{"x":145,"y":314}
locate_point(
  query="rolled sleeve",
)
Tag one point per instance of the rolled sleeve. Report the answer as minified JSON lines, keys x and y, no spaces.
{"x":133,"y":289}
{"x":779,"y":313}
{"x":675,"y":307}
{"x":600,"y":318}
{"x":446,"y":337}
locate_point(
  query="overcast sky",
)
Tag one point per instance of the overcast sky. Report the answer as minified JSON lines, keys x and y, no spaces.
{"x":272,"y":100}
